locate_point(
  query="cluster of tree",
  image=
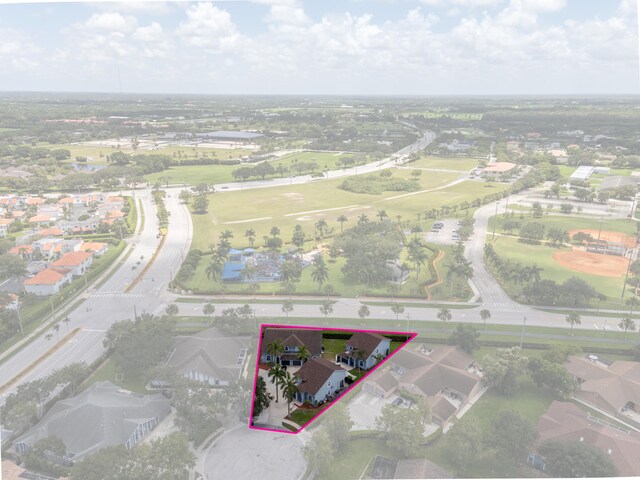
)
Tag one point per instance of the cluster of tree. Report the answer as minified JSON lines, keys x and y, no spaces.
{"x":367,"y":247}
{"x":27,"y":404}
{"x":161,"y":210}
{"x":542,"y":172}
{"x":189,"y":266}
{"x":378,"y":184}
{"x":137,"y":345}
{"x":459,"y":268}
{"x":261,"y":170}
{"x":501,"y":372}
{"x":235,"y":320}
{"x":166,"y":458}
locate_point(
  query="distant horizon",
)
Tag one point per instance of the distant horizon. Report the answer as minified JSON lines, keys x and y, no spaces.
{"x":330,"y":95}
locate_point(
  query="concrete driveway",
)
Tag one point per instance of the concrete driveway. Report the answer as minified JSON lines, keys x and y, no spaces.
{"x":247,"y":453}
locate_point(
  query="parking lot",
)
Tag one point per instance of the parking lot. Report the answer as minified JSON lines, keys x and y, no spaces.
{"x":445,"y":234}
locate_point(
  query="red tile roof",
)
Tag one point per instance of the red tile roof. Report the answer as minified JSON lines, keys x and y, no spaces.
{"x":48,"y":276}
{"x":71,"y":259}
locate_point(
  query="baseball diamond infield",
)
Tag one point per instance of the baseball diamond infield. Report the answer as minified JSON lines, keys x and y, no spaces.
{"x":592,"y":263}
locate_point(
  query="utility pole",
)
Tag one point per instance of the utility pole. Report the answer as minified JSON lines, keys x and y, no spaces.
{"x":495,"y":220}
{"x":524,"y":322}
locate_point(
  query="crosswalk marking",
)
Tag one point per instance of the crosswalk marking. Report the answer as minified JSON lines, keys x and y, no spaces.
{"x":116,"y":295}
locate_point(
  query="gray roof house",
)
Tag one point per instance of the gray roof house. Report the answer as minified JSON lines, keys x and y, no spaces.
{"x":103,"y":415}
{"x":209,"y":356}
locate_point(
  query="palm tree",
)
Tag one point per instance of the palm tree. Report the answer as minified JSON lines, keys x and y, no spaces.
{"x":627,"y":324}
{"x":250,"y":234}
{"x":215,"y":268}
{"x":444,"y":314}
{"x":320,"y":273}
{"x":632,"y":303}
{"x":362,"y":219}
{"x":363,"y":312}
{"x":226,"y":235}
{"x":573,"y":319}
{"x":56,"y":328}
{"x":342,"y":219}
{"x":171,"y":310}
{"x":287,"y":307}
{"x":276,"y":373}
{"x":382,"y":214}
{"x":48,"y":337}
{"x":534,"y":272}
{"x":275,"y":231}
{"x":275,"y":349}
{"x":397,"y":309}
{"x":303,"y":354}
{"x":485,"y":315}
{"x":289,"y":390}
{"x":321,"y":226}
{"x":209,"y":309}
{"x":326,"y":308}
{"x":66,"y":321}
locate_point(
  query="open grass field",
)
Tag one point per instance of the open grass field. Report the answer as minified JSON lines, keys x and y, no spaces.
{"x":286,"y":206}
{"x":351,"y":460}
{"x":192,"y":175}
{"x":528,"y":254}
{"x":325,"y":160}
{"x":464,"y":164}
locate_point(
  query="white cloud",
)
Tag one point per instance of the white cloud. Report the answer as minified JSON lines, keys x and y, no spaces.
{"x":210,"y":28}
{"x":110,"y":21}
{"x":461,"y":3}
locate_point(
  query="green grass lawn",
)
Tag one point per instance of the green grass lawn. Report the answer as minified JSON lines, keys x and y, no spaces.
{"x":303,"y":415}
{"x":528,"y":254}
{"x":304,"y":204}
{"x":325,"y":160}
{"x":464,"y":164}
{"x":192,"y":175}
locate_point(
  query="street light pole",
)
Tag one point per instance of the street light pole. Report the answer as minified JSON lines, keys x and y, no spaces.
{"x":495,"y":220}
{"x":524,"y":322}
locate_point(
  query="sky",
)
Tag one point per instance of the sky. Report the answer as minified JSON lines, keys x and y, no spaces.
{"x":334,"y":47}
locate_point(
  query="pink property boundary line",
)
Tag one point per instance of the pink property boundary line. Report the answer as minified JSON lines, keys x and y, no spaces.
{"x":412,"y":335}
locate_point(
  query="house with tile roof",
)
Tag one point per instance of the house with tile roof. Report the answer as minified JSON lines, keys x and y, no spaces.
{"x":445,"y":376}
{"x":104,"y":415}
{"x":566,"y":422}
{"x":614,"y":389}
{"x":210,"y":356}
{"x":76,"y":262}
{"x":48,"y":282}
{"x":4,"y":225}
{"x":319,"y":380}
{"x":363,"y":349}
{"x":292,"y":339}
{"x":97,"y":248}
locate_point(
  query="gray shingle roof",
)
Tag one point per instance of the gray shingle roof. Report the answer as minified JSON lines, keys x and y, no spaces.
{"x":101,"y":416}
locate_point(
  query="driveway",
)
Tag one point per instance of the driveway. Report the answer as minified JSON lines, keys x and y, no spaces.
{"x":246,"y":453}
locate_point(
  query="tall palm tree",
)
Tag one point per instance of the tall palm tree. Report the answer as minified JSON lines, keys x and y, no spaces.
{"x":382,"y":214}
{"x":215,"y":268}
{"x":303,"y":354}
{"x":632,"y":303}
{"x":321,"y":226}
{"x":250,"y":234}
{"x":226,"y":235}
{"x":275,"y":231}
{"x":289,"y":390}
{"x":276,"y":374}
{"x":573,"y":319}
{"x":320,"y":273}
{"x":342,"y":219}
{"x":444,"y":314}
{"x":275,"y":349}
{"x":362,"y":219}
{"x":485,"y":315}
{"x":627,"y":324}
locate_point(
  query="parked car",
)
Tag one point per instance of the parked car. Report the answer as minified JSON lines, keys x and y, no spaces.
{"x":397,"y":402}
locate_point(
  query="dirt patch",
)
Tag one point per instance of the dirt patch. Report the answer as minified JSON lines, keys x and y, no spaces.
{"x":592,"y":263}
{"x":629,"y":241}
{"x":293,"y":196}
